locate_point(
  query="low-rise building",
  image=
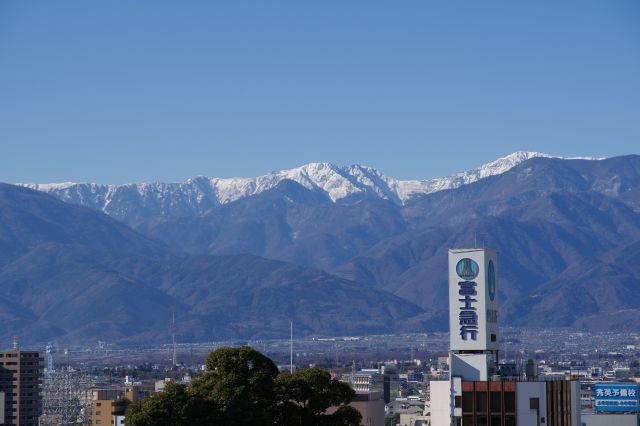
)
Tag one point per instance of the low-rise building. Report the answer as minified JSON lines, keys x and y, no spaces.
{"x":404,"y":406}
{"x":369,"y":405}
{"x":415,"y":419}
{"x":109,"y":405}
{"x":386,"y":384}
{"x":106,"y":404}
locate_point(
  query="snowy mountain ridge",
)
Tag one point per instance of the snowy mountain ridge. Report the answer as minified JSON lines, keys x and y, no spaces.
{"x":197,"y":195}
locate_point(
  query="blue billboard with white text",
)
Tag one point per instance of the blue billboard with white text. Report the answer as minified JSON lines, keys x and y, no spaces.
{"x":617,"y":397}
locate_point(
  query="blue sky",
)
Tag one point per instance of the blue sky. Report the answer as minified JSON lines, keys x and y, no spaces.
{"x":115,"y":92}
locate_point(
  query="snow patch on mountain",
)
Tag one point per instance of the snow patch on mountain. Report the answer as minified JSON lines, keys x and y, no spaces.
{"x":199,"y":194}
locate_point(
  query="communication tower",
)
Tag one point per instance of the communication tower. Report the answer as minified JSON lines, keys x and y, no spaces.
{"x":66,"y":398}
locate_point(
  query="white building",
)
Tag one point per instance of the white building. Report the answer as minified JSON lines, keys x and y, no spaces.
{"x":475,"y":394}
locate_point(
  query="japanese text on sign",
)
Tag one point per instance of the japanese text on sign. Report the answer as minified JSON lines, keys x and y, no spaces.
{"x":468,"y":315}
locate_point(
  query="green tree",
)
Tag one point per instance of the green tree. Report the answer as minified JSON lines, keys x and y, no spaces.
{"x":305,"y":396}
{"x":173,"y":407}
{"x":242,"y":387}
{"x":240,"y":381}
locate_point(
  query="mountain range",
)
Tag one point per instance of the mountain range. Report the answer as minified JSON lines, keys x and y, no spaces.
{"x":340,"y":250}
{"x":131,"y":203}
{"x":73,"y":274}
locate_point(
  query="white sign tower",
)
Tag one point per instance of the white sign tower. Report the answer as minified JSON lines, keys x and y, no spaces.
{"x":473,"y":313}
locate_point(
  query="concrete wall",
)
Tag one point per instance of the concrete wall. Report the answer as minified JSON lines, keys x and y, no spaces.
{"x":471,"y":367}
{"x":575,"y":404}
{"x":524,"y":415}
{"x":440,"y":403}
{"x":372,"y":412}
{"x":369,"y":405}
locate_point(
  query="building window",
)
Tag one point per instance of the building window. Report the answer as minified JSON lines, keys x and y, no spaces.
{"x":481,"y":402}
{"x":495,"y":402}
{"x":467,"y":403}
{"x":534,"y":403}
{"x":510,"y":402}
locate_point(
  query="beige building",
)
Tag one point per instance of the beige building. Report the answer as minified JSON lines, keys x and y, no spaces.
{"x":109,"y":405}
{"x":105,"y":411}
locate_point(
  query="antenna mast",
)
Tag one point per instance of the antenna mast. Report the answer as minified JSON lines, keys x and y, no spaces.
{"x":291,"y":349}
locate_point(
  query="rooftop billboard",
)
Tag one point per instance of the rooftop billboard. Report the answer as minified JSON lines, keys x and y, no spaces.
{"x":617,"y":397}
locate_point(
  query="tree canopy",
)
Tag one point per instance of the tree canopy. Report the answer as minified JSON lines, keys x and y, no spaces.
{"x":305,"y":396}
{"x":174,"y":406}
{"x":240,"y":382}
{"x":241,"y":386}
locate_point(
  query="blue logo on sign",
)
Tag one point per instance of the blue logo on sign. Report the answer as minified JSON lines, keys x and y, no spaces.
{"x":491,"y":280}
{"x":467,"y":269}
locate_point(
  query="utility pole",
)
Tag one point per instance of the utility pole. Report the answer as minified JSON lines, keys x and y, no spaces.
{"x":173,"y":335}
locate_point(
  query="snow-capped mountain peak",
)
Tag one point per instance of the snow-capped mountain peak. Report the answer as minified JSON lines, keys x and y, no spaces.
{"x":200,"y":194}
